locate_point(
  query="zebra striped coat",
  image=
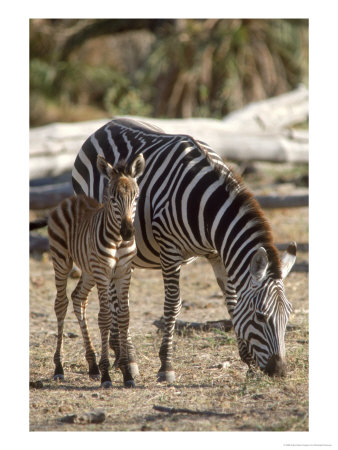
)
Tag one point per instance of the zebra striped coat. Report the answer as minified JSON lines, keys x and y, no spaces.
{"x":192,"y":205}
{"x":99,"y":238}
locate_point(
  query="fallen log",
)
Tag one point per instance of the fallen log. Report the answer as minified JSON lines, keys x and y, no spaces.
{"x":191,"y":411}
{"x":301,"y":246}
{"x":38,"y":244}
{"x":274,"y":146}
{"x":300,"y":267}
{"x":182,"y":326}
{"x":259,"y":131}
{"x":276,"y":113}
{"x":44,"y":197}
{"x":286,"y":201}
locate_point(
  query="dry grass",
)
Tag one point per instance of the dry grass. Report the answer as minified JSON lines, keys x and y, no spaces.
{"x":257,"y":402}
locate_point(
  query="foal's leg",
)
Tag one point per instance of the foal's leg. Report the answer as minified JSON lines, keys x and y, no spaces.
{"x":114,"y":339}
{"x":80,"y":302}
{"x":104,"y":320}
{"x":62,"y":267}
{"x":126,"y":347}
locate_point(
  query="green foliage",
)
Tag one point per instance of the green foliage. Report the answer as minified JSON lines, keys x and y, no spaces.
{"x":203,"y":68}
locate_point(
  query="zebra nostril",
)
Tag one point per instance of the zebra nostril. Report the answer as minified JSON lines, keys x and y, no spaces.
{"x":275,"y":367}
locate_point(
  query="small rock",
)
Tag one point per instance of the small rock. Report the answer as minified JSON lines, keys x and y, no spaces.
{"x":36,"y":384}
{"x":72,"y":335}
{"x":69,"y":418}
{"x":223,"y":365}
{"x":257,"y":396}
{"x":95,"y":416}
{"x":216,"y":295}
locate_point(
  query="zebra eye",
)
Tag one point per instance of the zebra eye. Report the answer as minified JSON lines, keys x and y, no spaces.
{"x":260,"y":316}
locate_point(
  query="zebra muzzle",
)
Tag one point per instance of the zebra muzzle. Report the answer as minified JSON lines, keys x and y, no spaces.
{"x":127,"y":230}
{"x":275,"y":367}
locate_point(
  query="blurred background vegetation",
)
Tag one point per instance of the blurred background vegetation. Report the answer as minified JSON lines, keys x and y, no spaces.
{"x":92,"y":68}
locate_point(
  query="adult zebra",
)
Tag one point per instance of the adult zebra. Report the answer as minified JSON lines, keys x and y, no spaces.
{"x":192,"y":205}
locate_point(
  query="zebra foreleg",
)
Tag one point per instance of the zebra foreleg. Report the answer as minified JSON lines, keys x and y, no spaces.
{"x":104,"y":321}
{"x":114,"y":339}
{"x":172,"y":306}
{"x":230,"y":296}
{"x":80,"y":302}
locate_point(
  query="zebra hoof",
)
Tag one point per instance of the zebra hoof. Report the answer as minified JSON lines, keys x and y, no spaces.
{"x":106,"y":385}
{"x":133,"y":368}
{"x":168,"y":376}
{"x":58,"y":376}
{"x":129,"y":384}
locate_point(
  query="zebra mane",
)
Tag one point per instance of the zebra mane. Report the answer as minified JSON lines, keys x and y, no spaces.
{"x":234,"y":183}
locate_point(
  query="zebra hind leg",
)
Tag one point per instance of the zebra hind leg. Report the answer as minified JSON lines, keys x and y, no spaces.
{"x":80,"y":302}
{"x":61,"y":269}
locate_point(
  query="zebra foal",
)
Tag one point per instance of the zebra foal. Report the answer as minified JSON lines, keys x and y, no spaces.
{"x":99,"y":238}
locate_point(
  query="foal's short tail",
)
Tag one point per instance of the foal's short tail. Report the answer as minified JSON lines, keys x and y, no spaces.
{"x":39,"y":223}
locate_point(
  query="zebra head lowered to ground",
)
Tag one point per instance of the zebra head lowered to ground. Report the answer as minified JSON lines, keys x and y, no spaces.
{"x":190,"y":205}
{"x":261,"y":314}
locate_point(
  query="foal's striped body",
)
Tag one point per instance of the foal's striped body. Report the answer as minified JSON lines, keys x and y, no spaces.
{"x":99,"y":238}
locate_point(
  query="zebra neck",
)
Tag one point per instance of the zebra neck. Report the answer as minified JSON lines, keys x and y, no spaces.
{"x":239,"y":273}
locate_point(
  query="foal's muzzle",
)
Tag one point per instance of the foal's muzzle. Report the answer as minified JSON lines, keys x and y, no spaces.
{"x":127,"y":230}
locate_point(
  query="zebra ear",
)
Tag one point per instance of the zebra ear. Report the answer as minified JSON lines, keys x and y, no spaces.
{"x":259,"y":264}
{"x":104,"y":167}
{"x":137,"y":166}
{"x":288,"y":259}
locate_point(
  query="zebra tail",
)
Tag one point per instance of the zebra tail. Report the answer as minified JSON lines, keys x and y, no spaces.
{"x":39,"y":223}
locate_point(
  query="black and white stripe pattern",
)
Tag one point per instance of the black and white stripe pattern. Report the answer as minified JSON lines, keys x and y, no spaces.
{"x":99,"y":238}
{"x":192,"y":205}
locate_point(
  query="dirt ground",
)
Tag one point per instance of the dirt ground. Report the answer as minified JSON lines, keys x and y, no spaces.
{"x":212,"y":386}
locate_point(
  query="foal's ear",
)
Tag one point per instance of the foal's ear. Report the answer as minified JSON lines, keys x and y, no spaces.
{"x":137,"y":166}
{"x":105,"y":169}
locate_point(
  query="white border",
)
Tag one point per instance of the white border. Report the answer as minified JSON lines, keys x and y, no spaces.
{"x":323,"y":223}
